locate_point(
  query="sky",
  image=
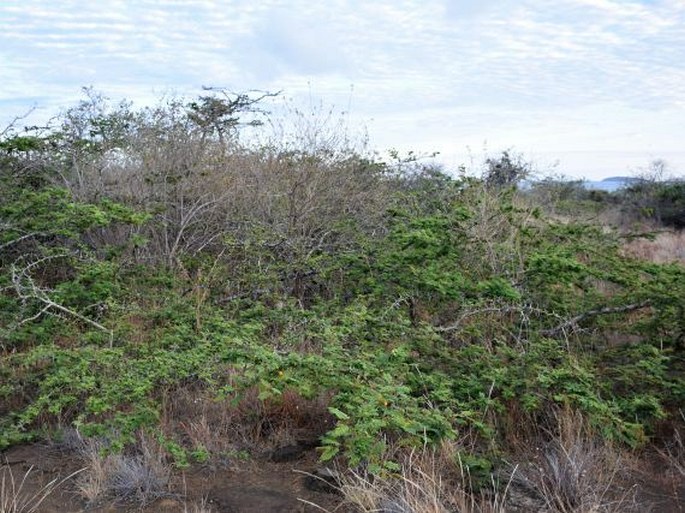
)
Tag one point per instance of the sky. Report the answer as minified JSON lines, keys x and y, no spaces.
{"x":584,"y":88}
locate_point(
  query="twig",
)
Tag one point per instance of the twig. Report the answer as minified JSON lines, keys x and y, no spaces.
{"x":15,"y":241}
{"x":26,"y":288}
{"x":573,"y":322}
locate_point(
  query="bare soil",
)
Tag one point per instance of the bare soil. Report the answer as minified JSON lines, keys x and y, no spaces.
{"x":258,"y":486}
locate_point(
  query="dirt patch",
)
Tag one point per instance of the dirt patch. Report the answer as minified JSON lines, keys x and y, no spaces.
{"x":660,"y":484}
{"x":259,"y":486}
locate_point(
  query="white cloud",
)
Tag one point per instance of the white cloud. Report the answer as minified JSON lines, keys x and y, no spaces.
{"x":546,"y":76}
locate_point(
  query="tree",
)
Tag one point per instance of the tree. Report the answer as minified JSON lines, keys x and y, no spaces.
{"x":505,"y":170}
{"x":220,"y":115}
{"x":656,"y":196}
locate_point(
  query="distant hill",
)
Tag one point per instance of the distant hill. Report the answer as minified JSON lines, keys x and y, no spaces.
{"x":610,"y":184}
{"x":621,"y":179}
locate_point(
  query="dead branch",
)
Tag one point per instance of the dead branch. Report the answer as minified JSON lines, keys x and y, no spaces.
{"x":572,"y":324}
{"x":12,"y":124}
{"x":18,"y":239}
{"x":523,"y":310}
{"x":27,"y":289}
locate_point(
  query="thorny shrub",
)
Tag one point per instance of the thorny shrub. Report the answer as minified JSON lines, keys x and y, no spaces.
{"x":421,"y":306}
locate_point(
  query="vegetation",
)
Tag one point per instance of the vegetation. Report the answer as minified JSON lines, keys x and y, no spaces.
{"x":160,"y":276}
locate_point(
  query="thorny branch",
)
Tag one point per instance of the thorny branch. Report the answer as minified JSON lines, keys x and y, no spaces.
{"x":27,"y":290}
{"x":572,"y":323}
{"x":18,"y":239}
{"x":563,"y":328}
{"x":524,"y":310}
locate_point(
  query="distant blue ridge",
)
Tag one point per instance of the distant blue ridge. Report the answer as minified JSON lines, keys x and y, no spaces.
{"x":610,"y":184}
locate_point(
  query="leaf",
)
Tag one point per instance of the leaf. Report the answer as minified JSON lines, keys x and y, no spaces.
{"x":340,"y":415}
{"x":339,"y":431}
{"x":329,"y":452}
{"x":392,"y":466}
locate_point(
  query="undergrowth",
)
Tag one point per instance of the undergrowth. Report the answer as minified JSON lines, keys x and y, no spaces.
{"x":313,"y":293}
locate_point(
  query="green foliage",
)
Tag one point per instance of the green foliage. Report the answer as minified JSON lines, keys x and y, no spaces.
{"x":20,"y":143}
{"x":220,"y":114}
{"x":434,"y":308}
{"x":660,"y":200}
{"x":671,"y":204}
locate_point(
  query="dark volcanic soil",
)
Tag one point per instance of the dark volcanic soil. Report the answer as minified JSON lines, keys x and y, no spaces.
{"x":258,"y":487}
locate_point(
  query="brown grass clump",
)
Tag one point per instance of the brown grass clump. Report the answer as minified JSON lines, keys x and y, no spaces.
{"x":226,"y":428}
{"x":575,"y":471}
{"x":140,"y":476}
{"x":15,"y":496}
{"x":666,"y":247}
{"x":430,"y":481}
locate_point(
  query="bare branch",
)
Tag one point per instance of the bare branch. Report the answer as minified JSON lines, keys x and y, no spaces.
{"x":572,"y":324}
{"x":26,"y":289}
{"x":523,"y":310}
{"x":11,"y":126}
{"x":17,"y":240}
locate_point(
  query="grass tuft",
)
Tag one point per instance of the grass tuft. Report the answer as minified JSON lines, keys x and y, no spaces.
{"x":575,"y":472}
{"x":15,"y":496}
{"x":141,"y":477}
{"x":422,"y":485}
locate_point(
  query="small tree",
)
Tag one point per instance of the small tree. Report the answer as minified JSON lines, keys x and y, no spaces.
{"x":505,"y":170}
{"x":657,"y":197}
{"x":221,"y":115}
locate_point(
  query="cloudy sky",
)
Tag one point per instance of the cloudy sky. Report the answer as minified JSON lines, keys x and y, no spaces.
{"x":598,"y":85}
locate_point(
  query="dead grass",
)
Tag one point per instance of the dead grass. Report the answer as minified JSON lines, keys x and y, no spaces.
{"x":226,"y":427}
{"x":666,"y":247}
{"x":202,"y":506}
{"x":671,"y":463}
{"x":674,"y":456}
{"x":575,"y":471}
{"x":93,"y":483}
{"x":15,"y":496}
{"x":429,"y":481}
{"x":562,"y":467}
{"x":140,"y":476}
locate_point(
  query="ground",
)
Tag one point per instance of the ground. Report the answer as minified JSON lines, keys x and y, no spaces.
{"x":259,"y":487}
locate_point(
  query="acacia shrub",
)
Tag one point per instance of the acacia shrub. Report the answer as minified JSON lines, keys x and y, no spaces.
{"x":274,"y":206}
{"x":425,"y":307}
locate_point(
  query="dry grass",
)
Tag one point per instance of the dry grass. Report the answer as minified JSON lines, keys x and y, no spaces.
{"x":672,"y":462}
{"x":575,"y":471}
{"x":15,"y":496}
{"x":666,"y":247}
{"x":431,"y":481}
{"x":674,"y":456}
{"x":224,"y":427}
{"x":141,"y":476}
{"x":198,"y":507}
{"x":93,"y":484}
{"x":564,"y":468}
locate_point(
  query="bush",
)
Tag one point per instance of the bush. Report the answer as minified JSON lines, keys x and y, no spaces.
{"x":422,"y":307}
